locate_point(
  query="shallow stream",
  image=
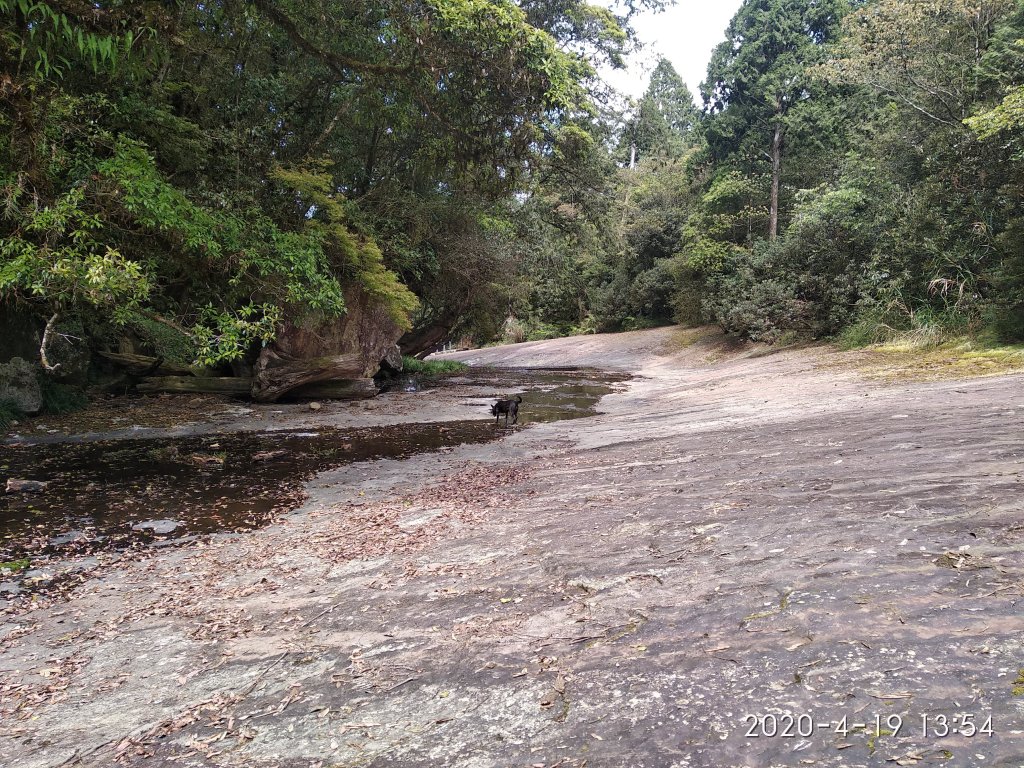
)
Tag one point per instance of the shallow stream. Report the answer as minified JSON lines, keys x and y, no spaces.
{"x":104,"y":494}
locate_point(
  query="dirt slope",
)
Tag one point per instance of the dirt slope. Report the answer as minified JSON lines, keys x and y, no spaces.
{"x":735,"y":536}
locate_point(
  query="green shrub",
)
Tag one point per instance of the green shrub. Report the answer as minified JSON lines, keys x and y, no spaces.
{"x":867,"y":330}
{"x":514,"y":331}
{"x":431,"y":367}
{"x":165,"y":341}
{"x":922,"y":329}
{"x":539,"y":331}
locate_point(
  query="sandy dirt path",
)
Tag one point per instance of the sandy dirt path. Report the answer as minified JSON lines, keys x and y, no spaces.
{"x":738,"y":544}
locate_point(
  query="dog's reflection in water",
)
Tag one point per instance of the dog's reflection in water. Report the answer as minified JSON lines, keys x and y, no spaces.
{"x":507,"y":407}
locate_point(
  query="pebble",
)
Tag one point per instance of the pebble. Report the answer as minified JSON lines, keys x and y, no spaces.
{"x":159,"y":527}
{"x":25,"y":486}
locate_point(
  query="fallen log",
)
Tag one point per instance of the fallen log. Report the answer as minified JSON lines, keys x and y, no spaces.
{"x":277,"y":376}
{"x":212,"y":385}
{"x":142,"y":365}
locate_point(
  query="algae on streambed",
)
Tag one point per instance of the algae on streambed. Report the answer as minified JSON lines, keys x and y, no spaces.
{"x":107,"y":494}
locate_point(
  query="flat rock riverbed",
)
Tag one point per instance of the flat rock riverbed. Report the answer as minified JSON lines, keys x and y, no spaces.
{"x":733,"y":546}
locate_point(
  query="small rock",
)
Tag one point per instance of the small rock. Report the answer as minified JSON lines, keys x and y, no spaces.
{"x":159,"y":527}
{"x":25,"y":486}
{"x":71,"y":537}
{"x":9,"y":588}
{"x":315,"y":406}
{"x":20,"y":385}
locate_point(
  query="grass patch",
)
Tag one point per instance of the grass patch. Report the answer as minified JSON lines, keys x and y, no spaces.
{"x":15,"y":565}
{"x":915,"y":358}
{"x":432,"y":367}
{"x":1018,"y":684}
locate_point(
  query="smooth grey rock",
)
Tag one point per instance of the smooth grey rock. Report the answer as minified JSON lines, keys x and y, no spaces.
{"x":71,"y":537}
{"x":159,"y":527}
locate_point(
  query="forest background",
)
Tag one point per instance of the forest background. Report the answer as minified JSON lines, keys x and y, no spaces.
{"x":200,"y":173}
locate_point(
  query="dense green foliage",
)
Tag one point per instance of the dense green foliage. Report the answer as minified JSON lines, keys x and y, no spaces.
{"x":196,"y":174}
{"x":199,"y":173}
{"x":858,"y":169}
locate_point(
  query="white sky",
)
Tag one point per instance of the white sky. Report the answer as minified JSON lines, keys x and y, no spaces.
{"x":685,"y":34}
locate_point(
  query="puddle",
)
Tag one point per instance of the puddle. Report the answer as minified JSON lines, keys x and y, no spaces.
{"x":115,"y":494}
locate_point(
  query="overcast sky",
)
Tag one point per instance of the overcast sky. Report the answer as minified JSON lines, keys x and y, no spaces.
{"x":685,"y":34}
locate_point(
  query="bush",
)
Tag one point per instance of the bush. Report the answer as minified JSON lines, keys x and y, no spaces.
{"x":867,"y":330}
{"x":432,"y":367}
{"x":514,"y":331}
{"x":653,"y":291}
{"x":922,"y":329}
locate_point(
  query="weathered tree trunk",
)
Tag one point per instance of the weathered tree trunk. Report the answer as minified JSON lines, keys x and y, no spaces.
{"x":143,"y":365}
{"x":277,"y":375}
{"x":214,"y":385}
{"x":773,"y":216}
{"x":420,"y":342}
{"x":349,"y":348}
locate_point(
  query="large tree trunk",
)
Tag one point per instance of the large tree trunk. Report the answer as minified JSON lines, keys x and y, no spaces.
{"x":420,"y":342}
{"x":348,"y":348}
{"x":349,"y":389}
{"x":773,"y":216}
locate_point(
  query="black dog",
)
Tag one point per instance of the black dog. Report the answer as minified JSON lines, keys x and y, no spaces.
{"x":507,"y":407}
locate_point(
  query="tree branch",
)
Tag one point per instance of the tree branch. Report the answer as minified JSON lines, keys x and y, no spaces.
{"x":335,"y":61}
{"x":50,"y":325}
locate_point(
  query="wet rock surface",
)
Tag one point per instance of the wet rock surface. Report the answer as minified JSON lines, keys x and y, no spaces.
{"x":732,"y":542}
{"x":105,"y":489}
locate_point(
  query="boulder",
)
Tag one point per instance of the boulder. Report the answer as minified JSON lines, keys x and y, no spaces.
{"x":346,"y":348}
{"x":20,"y":385}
